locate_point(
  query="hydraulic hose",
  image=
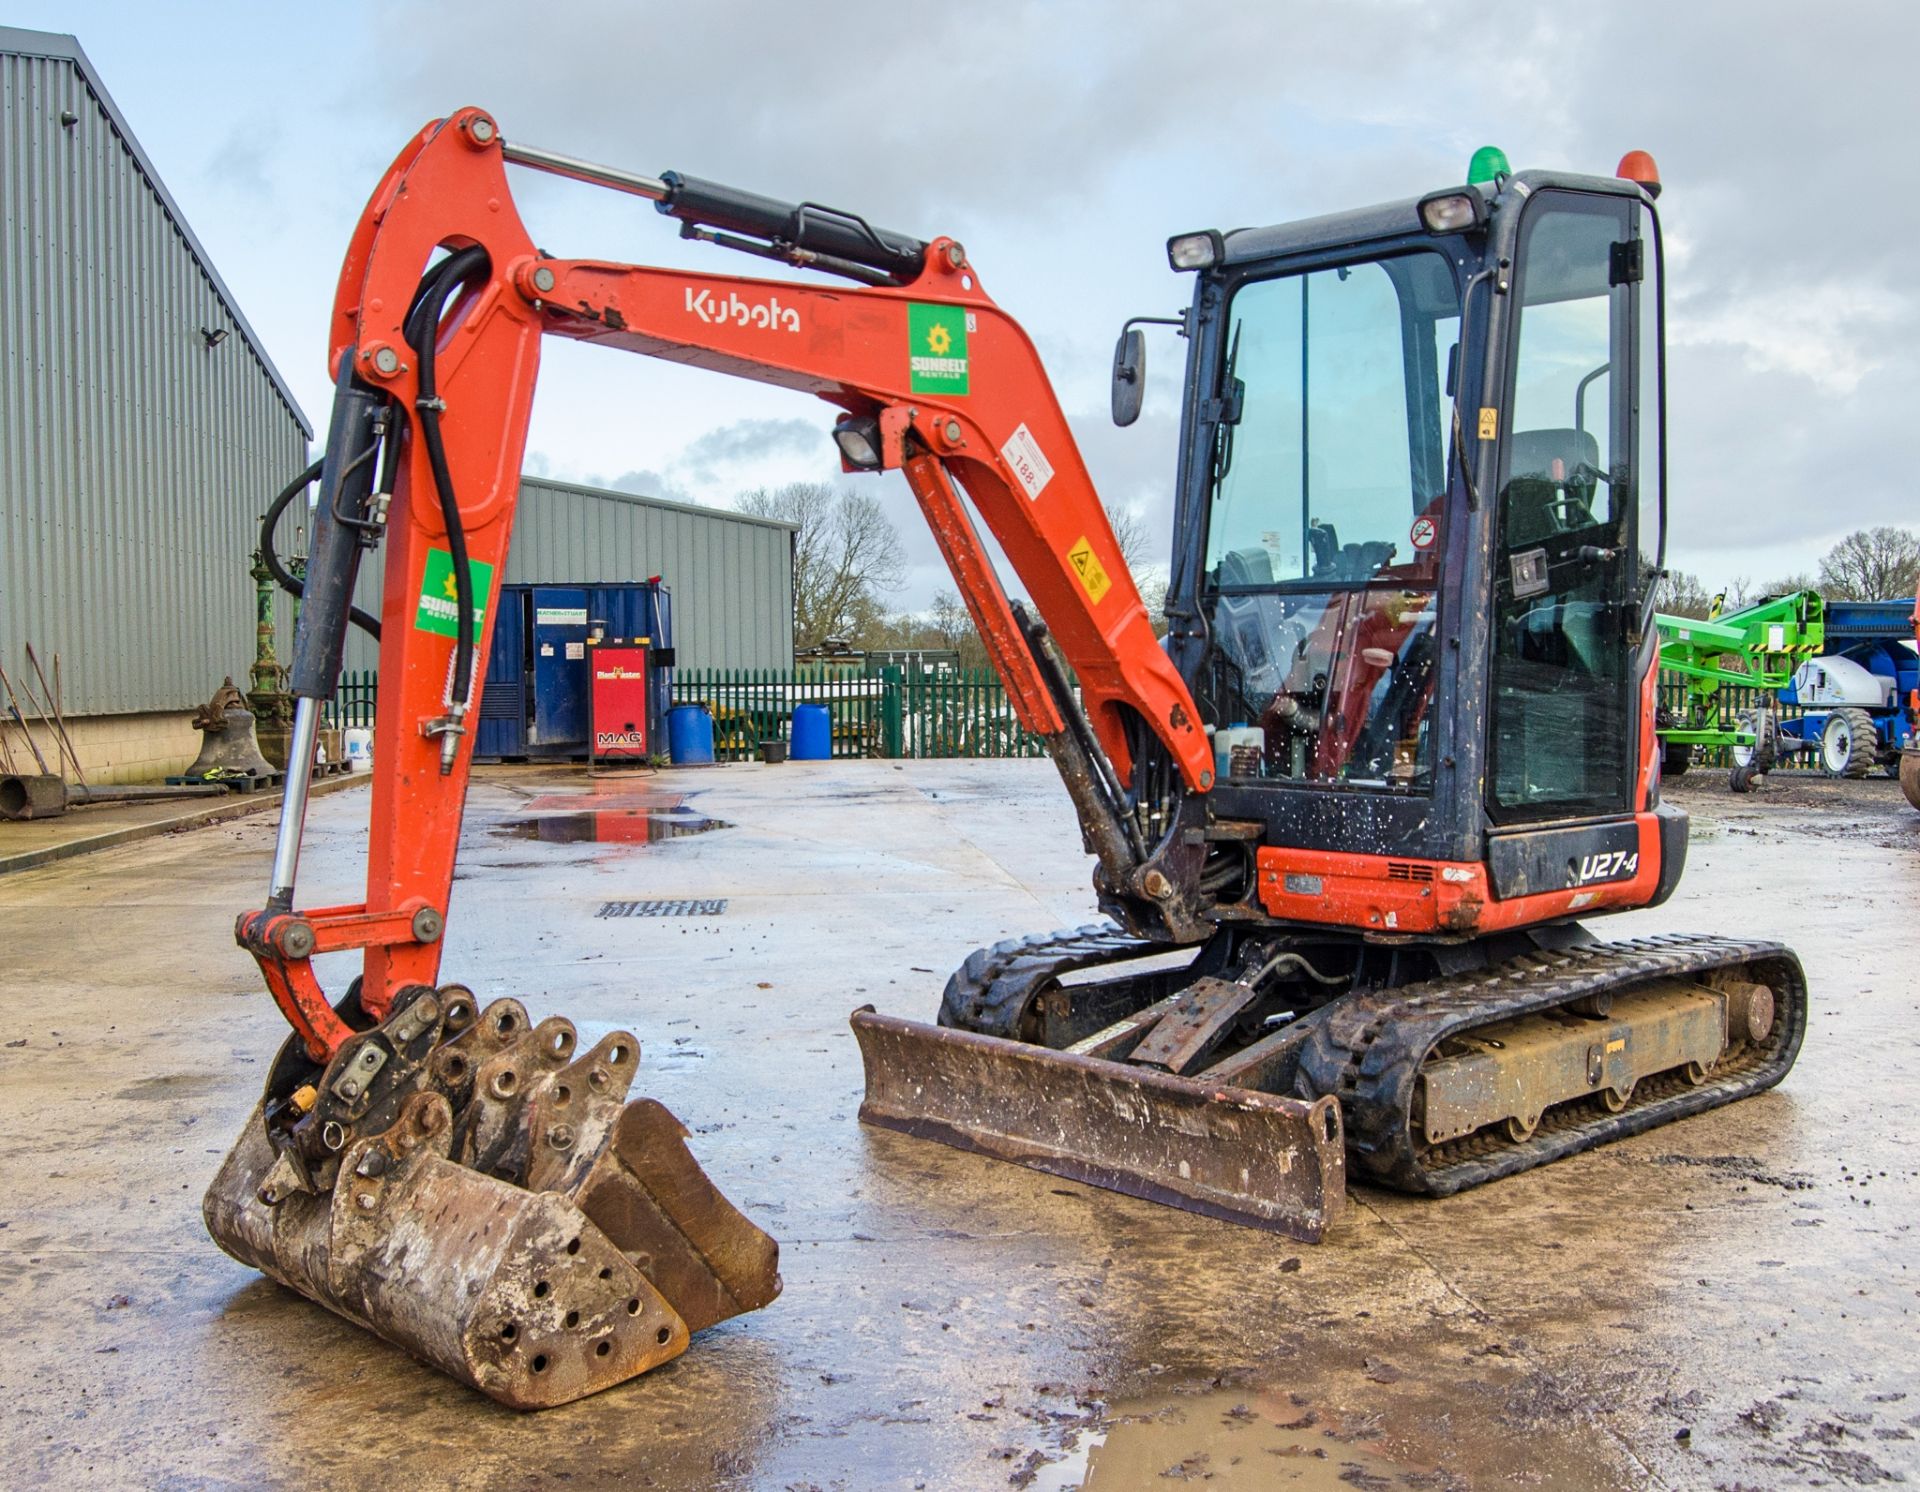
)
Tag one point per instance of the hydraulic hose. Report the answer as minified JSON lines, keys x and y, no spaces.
{"x":422,"y":333}
{"x":271,"y":557}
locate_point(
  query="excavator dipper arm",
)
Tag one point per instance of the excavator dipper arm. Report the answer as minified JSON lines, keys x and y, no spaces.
{"x":932,"y":376}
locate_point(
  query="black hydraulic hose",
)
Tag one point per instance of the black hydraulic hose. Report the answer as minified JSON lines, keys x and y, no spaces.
{"x":271,"y":557}
{"x":422,"y":332}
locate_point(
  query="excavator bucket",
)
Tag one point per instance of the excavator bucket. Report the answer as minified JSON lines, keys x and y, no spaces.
{"x":1233,"y":1153}
{"x":517,"y":1224}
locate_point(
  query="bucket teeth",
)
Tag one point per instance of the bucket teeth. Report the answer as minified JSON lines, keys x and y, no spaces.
{"x":539,"y":1244}
{"x":569,"y":1119}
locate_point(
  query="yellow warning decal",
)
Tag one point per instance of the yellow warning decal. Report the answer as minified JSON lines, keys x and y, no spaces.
{"x":1087,"y":566}
{"x":1489,"y":422}
{"x":1618,"y":1044}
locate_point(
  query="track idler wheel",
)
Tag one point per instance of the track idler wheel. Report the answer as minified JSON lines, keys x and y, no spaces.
{"x":480,"y":1196}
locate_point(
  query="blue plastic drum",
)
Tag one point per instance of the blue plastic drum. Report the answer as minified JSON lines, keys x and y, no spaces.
{"x":690,"y":736}
{"x":812,"y":733}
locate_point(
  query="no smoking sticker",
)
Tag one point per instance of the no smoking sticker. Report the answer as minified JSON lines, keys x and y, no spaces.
{"x":1423,"y":533}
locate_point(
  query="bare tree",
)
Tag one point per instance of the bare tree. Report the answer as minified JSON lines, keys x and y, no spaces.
{"x":1788,"y":585}
{"x":1130,"y":532}
{"x":952,"y":626}
{"x":845,"y":554}
{"x":1737,"y":593}
{"x":1139,"y":546}
{"x":1685,"y":594}
{"x":1872,"y":564}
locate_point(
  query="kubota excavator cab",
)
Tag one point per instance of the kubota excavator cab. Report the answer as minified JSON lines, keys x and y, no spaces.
{"x":1418,"y":535}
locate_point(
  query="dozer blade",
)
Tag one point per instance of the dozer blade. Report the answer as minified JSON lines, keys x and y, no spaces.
{"x":517,"y":1225}
{"x":1231,"y":1153}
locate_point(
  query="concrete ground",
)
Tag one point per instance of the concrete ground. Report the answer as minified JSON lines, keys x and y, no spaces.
{"x":27,"y":844}
{"x":1728,"y":1303}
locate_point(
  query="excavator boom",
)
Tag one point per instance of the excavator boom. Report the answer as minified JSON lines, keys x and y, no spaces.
{"x":934,"y":380}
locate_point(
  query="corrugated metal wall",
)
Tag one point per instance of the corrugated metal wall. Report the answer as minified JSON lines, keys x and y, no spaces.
{"x":134,"y":459}
{"x":731,"y":576}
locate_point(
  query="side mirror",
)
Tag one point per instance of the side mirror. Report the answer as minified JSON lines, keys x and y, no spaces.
{"x":1129,"y":376}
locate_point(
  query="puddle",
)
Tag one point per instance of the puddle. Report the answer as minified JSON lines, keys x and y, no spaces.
{"x":1233,"y":1439}
{"x":616,"y":826}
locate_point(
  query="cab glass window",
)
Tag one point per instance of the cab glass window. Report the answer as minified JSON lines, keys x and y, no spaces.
{"x":1335,"y":467}
{"x":1327,"y":523}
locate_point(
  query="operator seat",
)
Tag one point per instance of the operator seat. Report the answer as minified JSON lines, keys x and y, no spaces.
{"x":1540,"y":503}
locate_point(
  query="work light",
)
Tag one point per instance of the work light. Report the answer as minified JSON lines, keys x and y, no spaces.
{"x":1457,"y":210}
{"x":858,"y":436}
{"x":1200,"y":250}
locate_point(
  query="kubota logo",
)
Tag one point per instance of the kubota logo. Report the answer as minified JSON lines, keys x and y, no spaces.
{"x":733,"y":311}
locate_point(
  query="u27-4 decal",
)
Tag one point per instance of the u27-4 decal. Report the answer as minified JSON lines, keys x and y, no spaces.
{"x":1615,"y":865}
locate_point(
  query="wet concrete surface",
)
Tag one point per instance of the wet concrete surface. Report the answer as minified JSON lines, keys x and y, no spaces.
{"x":85,"y":829}
{"x":1727,"y":1303}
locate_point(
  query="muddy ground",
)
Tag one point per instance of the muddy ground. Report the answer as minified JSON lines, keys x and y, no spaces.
{"x":1728,"y":1303}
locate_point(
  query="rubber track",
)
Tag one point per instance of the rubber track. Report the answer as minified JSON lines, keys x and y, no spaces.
{"x":992,"y":990}
{"x":1369,"y":1048}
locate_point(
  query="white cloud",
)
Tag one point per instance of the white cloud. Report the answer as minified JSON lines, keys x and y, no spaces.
{"x":1831,"y":335}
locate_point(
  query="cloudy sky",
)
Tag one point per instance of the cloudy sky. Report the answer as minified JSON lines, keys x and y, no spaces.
{"x":1063,"y":143}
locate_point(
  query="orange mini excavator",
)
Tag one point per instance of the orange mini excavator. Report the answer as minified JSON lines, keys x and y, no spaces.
{"x":1398,"y":738}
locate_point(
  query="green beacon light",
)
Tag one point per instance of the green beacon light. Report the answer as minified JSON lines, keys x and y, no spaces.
{"x":1488,"y":162}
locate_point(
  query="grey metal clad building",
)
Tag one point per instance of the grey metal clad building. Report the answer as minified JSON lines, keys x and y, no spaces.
{"x":142,"y":426}
{"x":731,"y":574}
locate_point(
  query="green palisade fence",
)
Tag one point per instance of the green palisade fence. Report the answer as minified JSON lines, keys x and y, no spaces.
{"x":894,"y":713}
{"x":889,"y":714}
{"x":961,"y":713}
{"x":353,"y":702}
{"x":751,"y":705}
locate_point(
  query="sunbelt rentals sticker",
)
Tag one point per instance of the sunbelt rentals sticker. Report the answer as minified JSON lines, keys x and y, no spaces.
{"x":937,"y":348}
{"x":438,"y":611}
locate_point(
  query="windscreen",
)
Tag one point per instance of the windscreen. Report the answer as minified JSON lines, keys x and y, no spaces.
{"x":1327,"y":522}
{"x":1339,"y":450}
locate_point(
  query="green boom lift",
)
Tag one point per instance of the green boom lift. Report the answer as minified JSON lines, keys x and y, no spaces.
{"x":1756,"y":648}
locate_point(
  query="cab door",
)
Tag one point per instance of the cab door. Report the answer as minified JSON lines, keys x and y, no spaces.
{"x":1563,"y":717}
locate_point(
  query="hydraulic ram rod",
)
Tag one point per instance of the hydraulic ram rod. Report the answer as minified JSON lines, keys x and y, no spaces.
{"x":574,"y":169}
{"x":806,"y":226}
